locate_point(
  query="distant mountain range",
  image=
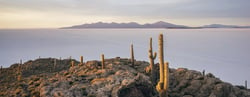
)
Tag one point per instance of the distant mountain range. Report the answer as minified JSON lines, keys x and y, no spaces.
{"x":160,"y":24}
{"x":223,"y":26}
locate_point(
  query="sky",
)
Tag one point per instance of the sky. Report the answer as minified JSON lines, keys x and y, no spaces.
{"x":61,"y":13}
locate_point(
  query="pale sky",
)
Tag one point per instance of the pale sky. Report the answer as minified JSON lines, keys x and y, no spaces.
{"x":61,"y":13}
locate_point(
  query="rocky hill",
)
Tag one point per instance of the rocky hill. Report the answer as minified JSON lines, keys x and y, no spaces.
{"x":51,"y":77}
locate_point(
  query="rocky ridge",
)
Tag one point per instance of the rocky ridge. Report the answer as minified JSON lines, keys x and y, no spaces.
{"x":42,"y":77}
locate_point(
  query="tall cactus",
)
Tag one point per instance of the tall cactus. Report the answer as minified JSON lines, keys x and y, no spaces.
{"x":162,"y":85}
{"x":132,"y":55}
{"x":161,"y":57}
{"x":55,"y":63}
{"x":103,"y":61}
{"x":152,"y":57}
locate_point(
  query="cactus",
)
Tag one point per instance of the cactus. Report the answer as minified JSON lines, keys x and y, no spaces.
{"x":166,"y":76}
{"x":21,"y":62}
{"x":132,"y":54}
{"x":163,"y":83}
{"x":81,"y":60}
{"x":203,"y":73}
{"x":103,"y":61}
{"x":151,"y":60}
{"x":161,"y":57}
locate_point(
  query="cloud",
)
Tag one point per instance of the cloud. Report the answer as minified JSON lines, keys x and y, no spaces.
{"x":147,"y":8}
{"x":132,"y":10}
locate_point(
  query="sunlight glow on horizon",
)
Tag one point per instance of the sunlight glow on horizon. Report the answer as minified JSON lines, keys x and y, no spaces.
{"x":63,"y":13}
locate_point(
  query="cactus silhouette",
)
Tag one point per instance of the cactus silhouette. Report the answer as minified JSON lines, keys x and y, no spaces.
{"x":55,"y":63}
{"x":203,"y":73}
{"x":162,"y":85}
{"x":103,"y":61}
{"x":152,"y":57}
{"x":132,"y":55}
{"x":21,"y":62}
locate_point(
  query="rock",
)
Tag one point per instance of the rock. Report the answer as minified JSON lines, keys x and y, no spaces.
{"x":187,"y":96}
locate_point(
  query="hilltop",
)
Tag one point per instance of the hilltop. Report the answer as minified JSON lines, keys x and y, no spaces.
{"x":50,"y":77}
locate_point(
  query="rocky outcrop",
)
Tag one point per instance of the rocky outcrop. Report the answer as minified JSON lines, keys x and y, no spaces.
{"x":190,"y":83}
{"x":118,"y":79}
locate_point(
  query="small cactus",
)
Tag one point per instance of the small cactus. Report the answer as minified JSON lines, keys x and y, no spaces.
{"x":163,"y":83}
{"x":21,"y":62}
{"x":103,"y":61}
{"x":132,"y":55}
{"x":152,"y":57}
{"x":203,"y":73}
{"x":81,"y":60}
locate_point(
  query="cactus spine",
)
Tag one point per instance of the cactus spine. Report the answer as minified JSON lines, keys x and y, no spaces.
{"x":162,"y":85}
{"x":103,"y":61}
{"x":132,"y":54}
{"x":151,"y":59}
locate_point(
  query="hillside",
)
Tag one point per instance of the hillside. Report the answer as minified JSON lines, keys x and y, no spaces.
{"x":42,"y":77}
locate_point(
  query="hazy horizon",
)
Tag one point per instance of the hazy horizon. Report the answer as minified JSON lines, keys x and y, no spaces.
{"x":60,"y":13}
